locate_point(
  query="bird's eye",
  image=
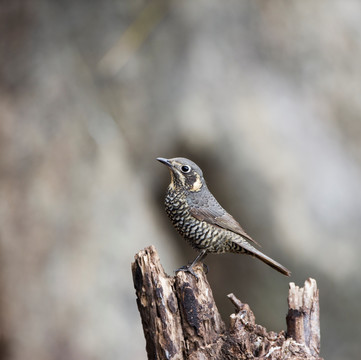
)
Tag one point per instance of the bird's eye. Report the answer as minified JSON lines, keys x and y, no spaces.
{"x":186,"y":169}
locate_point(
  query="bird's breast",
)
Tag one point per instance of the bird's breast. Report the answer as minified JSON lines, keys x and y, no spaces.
{"x":177,"y":208}
{"x":198,"y":233}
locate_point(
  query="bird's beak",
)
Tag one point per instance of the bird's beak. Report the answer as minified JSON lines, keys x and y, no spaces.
{"x":165,"y":161}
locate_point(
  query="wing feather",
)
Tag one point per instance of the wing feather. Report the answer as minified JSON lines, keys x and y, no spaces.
{"x":216,"y":215}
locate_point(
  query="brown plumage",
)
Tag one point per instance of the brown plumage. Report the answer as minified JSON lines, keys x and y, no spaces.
{"x":201,"y":220}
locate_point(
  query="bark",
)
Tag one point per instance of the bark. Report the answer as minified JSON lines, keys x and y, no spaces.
{"x":181,"y":320}
{"x":303,"y":318}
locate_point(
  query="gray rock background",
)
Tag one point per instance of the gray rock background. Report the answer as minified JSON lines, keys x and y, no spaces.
{"x":263,"y":95}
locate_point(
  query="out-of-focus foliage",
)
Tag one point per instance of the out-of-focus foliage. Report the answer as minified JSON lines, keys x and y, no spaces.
{"x":263,"y":95}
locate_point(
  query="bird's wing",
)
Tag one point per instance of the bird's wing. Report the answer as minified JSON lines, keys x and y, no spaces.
{"x":216,"y":215}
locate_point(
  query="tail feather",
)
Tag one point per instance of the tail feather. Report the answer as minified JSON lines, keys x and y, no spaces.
{"x":272,"y":263}
{"x":250,"y":250}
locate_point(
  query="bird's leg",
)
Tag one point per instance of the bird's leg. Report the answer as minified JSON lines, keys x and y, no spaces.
{"x":189,"y":268}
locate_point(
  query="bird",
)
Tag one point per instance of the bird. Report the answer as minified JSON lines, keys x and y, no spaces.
{"x":201,"y":220}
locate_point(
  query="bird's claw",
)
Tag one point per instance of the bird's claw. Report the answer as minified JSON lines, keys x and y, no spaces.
{"x":189,"y":269}
{"x":205,"y":268}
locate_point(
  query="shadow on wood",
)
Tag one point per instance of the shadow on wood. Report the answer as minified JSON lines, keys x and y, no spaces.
{"x":181,"y":321}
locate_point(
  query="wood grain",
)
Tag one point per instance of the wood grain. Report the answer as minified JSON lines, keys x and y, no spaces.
{"x":181,"y":321}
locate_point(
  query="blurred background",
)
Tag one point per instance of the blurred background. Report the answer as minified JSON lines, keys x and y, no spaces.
{"x":264,"y":95}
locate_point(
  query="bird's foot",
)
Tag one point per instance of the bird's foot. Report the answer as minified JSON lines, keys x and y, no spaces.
{"x":205,"y":268}
{"x":187,"y":268}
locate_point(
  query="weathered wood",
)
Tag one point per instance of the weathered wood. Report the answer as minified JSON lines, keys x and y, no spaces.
{"x":181,"y":320}
{"x":303,"y":318}
{"x":158,"y":307}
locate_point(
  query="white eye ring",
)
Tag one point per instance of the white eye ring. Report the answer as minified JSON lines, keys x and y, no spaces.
{"x":185,"y":169}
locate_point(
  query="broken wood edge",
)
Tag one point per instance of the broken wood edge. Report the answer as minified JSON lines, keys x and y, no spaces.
{"x":303,"y":317}
{"x":158,"y":306}
{"x":181,"y":321}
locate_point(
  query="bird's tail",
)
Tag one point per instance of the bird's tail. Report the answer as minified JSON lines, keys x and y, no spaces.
{"x":250,"y":250}
{"x":272,"y":263}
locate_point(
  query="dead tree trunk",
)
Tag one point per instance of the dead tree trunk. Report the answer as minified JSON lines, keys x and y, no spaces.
{"x":181,"y":320}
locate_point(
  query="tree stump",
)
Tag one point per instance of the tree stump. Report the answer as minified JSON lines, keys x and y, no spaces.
{"x":181,"y":321}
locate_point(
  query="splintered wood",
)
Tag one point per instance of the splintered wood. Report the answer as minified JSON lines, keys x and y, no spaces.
{"x":303,"y":318}
{"x":181,"y":321}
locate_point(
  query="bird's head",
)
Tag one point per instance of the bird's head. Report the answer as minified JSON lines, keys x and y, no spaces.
{"x":185,"y":174}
